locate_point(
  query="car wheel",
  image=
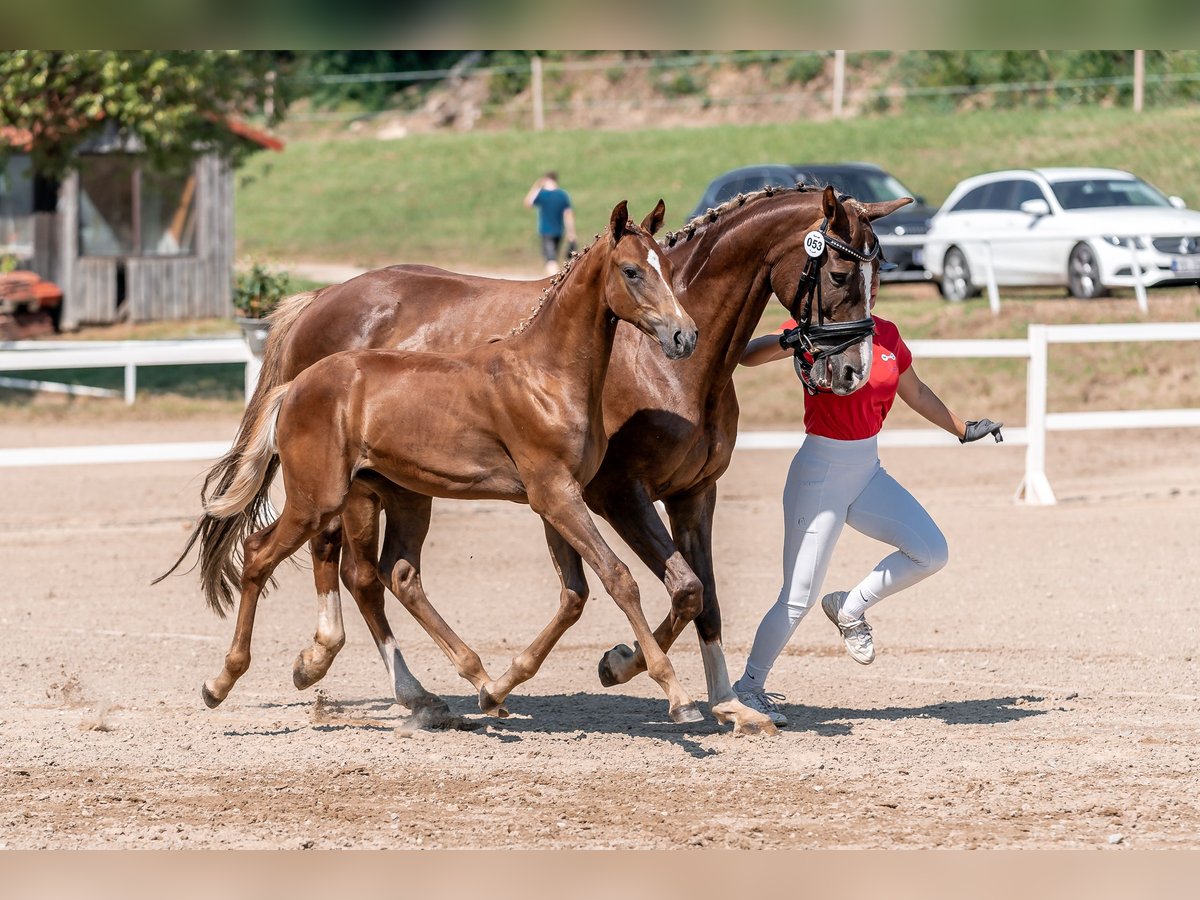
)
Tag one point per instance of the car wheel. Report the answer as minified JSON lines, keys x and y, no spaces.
{"x":1083,"y":274}
{"x":956,"y":277}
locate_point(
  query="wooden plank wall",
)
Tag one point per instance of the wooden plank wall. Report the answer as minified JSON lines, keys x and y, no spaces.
{"x":45,"y":245}
{"x":94,"y":288}
{"x":156,"y":287}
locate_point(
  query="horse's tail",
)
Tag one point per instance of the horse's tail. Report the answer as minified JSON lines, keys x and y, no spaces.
{"x":220,"y":538}
{"x":240,"y":506}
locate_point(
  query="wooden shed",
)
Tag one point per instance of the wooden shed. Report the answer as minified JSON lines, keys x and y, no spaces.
{"x":123,"y":241}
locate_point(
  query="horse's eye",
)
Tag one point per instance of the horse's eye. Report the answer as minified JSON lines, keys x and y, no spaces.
{"x":838,"y":278}
{"x":630,"y":272}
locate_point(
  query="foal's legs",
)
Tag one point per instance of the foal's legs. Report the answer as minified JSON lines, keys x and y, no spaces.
{"x":687,"y":572}
{"x":560,"y":503}
{"x":262,"y":552}
{"x":313,"y":662}
{"x":631,"y":513}
{"x":570,"y":607}
{"x":358,"y":527}
{"x":400,"y":569}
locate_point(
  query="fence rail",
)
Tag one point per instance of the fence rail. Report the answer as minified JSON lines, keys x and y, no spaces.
{"x":1034,"y":488}
{"x":31,"y":356}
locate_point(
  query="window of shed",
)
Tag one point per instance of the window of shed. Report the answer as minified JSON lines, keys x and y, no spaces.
{"x":128,"y":209}
{"x":16,"y":207}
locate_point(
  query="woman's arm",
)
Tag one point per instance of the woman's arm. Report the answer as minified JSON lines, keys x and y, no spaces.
{"x":763,"y":349}
{"x":922,"y":399}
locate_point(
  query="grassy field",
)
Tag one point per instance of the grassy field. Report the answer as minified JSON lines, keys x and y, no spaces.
{"x":455,"y":199}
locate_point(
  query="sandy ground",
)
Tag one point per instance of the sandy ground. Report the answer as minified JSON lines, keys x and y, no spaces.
{"x":1040,"y":691}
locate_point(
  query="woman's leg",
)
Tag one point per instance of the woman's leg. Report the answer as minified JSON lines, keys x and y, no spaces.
{"x":889,"y":513}
{"x":815,"y":499}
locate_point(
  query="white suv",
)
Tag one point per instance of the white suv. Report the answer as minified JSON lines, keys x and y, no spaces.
{"x":1083,"y":228}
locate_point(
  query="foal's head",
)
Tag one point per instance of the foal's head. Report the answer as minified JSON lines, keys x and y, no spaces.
{"x":637,"y":282}
{"x":846,"y":273}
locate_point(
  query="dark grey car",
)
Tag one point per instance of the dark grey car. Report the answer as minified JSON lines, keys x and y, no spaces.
{"x":862,"y":181}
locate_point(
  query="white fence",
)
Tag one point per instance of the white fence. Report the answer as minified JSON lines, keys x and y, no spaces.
{"x":27,"y":356}
{"x":1034,"y":488}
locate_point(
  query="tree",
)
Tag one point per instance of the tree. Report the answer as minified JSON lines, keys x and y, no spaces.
{"x":173,"y":104}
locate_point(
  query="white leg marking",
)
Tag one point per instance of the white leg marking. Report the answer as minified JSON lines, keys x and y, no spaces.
{"x":330,"y":631}
{"x":715,"y":672}
{"x":404,"y":684}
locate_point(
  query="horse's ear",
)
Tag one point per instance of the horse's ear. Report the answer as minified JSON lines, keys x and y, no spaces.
{"x":654,"y":221}
{"x":834,"y":211}
{"x":884,"y":207}
{"x":620,"y":218}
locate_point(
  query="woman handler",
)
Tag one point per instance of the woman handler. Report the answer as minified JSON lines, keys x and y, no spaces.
{"x":835,"y":479}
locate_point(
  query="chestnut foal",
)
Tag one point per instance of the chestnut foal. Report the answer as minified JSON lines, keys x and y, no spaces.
{"x":518,"y":419}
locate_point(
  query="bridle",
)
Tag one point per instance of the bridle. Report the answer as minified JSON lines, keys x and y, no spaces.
{"x":816,"y":342}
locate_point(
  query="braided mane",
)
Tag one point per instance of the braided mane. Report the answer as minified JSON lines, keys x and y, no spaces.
{"x":557,"y":279}
{"x":701,"y":222}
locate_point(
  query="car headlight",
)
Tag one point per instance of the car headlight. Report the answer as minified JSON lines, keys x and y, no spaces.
{"x":910,"y":228}
{"x":1123,"y":240}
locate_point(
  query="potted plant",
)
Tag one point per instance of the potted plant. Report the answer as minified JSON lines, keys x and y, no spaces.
{"x":256,"y":293}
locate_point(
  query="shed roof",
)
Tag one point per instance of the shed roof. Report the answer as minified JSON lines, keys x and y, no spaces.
{"x":22,"y":139}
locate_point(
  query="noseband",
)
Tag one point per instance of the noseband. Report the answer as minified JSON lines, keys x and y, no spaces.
{"x":816,"y":342}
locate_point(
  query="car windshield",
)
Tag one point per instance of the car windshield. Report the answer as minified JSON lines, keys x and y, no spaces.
{"x":1094,"y":193}
{"x":870,"y":187}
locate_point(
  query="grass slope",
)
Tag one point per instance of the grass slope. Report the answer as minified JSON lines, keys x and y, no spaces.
{"x":455,"y":199}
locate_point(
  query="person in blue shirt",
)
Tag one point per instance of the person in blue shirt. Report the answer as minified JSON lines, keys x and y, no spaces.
{"x":556,"y":218}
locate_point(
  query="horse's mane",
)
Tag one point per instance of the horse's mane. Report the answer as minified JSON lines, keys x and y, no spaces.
{"x":700,"y":223}
{"x":557,"y":279}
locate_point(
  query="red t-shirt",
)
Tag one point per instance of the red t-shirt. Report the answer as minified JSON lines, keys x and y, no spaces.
{"x":861,"y":414}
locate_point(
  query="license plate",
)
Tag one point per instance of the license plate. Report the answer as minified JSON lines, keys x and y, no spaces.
{"x":918,"y":256}
{"x":1186,"y":266}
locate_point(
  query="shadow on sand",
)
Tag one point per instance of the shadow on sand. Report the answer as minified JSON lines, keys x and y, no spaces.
{"x":576,"y":716}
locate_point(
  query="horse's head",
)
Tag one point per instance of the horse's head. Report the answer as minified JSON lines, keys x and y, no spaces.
{"x":637,"y":283}
{"x":828,"y":283}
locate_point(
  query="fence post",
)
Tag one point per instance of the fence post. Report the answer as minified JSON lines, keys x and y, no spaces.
{"x":1138,"y":287}
{"x":130,"y":384}
{"x":253,"y":368}
{"x":839,"y":82}
{"x":990,"y":272}
{"x":1139,"y":79}
{"x":1035,"y":488}
{"x":539,"y":109}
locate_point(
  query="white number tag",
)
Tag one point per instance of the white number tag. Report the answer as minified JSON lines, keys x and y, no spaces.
{"x":814,"y":244}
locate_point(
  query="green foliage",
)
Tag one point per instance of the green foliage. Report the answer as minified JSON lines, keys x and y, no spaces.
{"x":173,"y":102}
{"x":679,"y":82}
{"x":258,"y":291}
{"x":804,"y":69}
{"x":371,"y":95}
{"x":503,"y":86}
{"x":8,"y":263}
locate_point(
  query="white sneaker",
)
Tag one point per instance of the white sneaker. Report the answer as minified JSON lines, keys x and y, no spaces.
{"x":856,"y":634}
{"x":767,"y":704}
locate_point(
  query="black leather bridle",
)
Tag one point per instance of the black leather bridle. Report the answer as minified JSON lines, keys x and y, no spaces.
{"x":822,"y":340}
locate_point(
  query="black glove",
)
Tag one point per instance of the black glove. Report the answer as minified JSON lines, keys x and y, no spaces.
{"x":982,"y":428}
{"x":787,"y":339}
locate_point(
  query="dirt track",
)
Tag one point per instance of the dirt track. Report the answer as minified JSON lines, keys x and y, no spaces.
{"x":1041,"y":691}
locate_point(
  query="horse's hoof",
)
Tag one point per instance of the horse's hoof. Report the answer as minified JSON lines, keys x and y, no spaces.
{"x":744,"y":720}
{"x":489,"y":705}
{"x":689,"y":712}
{"x":755,"y":726}
{"x":301,"y":674}
{"x":435,"y":716}
{"x":211,"y":700}
{"x":610,"y":675}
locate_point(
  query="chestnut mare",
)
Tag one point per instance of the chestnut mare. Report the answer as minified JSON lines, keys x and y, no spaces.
{"x":671,"y":427}
{"x":516,"y":420}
